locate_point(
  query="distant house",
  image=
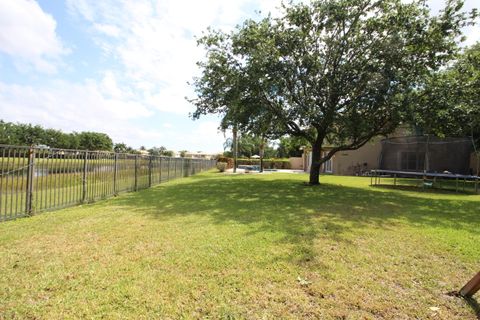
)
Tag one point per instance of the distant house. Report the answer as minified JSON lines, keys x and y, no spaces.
{"x":201,"y":155}
{"x":143,"y":152}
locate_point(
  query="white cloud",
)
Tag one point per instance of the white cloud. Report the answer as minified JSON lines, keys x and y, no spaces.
{"x":154,"y":41}
{"x":170,"y":99}
{"x":208,"y":131}
{"x":107,"y":29}
{"x":91,"y":106}
{"x":74,"y":107}
{"x":203,"y":136}
{"x":28,"y":35}
{"x":111,"y":88}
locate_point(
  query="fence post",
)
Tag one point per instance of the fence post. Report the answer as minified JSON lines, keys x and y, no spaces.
{"x":182,"y":166}
{"x":84,"y":177}
{"x":30,"y":175}
{"x":175,"y":164}
{"x":149,"y":171}
{"x":160,"y":170}
{"x":168,"y":170}
{"x":136,"y":173}
{"x":115,"y":174}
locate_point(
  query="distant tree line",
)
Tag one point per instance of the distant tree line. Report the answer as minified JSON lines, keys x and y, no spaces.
{"x":28,"y":134}
{"x":161,"y":151}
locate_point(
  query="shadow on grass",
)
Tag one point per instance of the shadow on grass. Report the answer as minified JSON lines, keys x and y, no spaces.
{"x":282,"y":203}
{"x":415,"y":188}
{"x":474,"y":305}
{"x":472,"y":302}
{"x":286,"y":206}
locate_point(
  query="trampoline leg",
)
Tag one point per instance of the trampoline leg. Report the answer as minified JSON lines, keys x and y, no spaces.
{"x":476,"y":185}
{"x":456,"y":185}
{"x":395,"y":179}
{"x":471,"y":287}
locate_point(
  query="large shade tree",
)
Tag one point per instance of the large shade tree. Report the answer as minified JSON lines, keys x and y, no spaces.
{"x":330,"y":71}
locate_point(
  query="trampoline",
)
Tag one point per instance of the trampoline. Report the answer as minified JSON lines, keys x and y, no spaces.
{"x":427,"y":154}
{"x":427,"y":161}
{"x":428,"y":179}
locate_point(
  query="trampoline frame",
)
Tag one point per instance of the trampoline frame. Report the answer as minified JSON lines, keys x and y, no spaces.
{"x":377,"y":174}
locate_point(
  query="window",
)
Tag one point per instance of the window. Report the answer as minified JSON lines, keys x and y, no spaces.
{"x":327,"y":165}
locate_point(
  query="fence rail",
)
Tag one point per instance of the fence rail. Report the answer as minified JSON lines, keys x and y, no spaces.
{"x":35,"y":179}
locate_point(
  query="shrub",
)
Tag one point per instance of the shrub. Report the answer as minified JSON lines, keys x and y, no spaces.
{"x":221,"y":166}
{"x":228,"y":161}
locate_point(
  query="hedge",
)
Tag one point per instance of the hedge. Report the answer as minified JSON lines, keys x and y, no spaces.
{"x":228,"y":161}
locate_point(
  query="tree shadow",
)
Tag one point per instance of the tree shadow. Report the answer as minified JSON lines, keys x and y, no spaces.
{"x":430,"y":190}
{"x":286,"y":206}
{"x":473,"y":303}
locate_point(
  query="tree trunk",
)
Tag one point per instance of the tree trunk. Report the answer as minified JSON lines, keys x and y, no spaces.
{"x":262,"y":151}
{"x":315,"y":166}
{"x":235,"y":149}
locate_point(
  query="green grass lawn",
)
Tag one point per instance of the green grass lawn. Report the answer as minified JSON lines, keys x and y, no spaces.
{"x":246,"y":246}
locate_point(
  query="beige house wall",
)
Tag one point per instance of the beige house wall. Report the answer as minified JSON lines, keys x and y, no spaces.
{"x":357,"y":161}
{"x":296,"y":163}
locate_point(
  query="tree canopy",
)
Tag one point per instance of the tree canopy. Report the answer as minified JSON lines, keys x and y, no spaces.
{"x":449,"y":103}
{"x":160,"y":151}
{"x":336,"y":71}
{"x":291,"y":146}
{"x":123,"y":148}
{"x":250,"y":145}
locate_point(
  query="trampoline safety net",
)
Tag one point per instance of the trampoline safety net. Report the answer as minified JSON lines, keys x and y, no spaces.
{"x":426,"y":153}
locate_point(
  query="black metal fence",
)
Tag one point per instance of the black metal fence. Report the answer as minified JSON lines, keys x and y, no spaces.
{"x":34,"y":179}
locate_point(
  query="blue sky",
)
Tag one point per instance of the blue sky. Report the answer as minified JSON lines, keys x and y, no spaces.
{"x":119,"y":67}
